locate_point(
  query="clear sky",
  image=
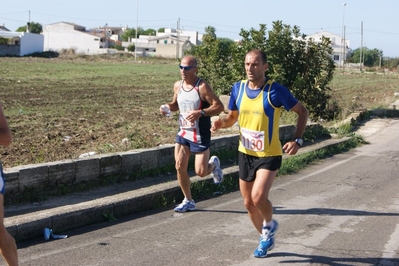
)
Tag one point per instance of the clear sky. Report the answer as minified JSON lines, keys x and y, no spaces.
{"x":380,"y":17}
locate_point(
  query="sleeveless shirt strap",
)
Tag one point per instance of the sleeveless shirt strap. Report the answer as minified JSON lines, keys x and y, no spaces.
{"x":241,"y":89}
{"x":268,"y":93}
{"x":198,"y":82}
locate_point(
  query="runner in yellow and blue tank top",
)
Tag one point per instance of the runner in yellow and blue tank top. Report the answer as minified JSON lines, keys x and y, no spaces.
{"x":256,"y":103}
{"x":259,"y":115}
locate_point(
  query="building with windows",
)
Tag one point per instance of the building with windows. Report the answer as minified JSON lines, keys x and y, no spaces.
{"x":171,"y":43}
{"x":341,"y":46}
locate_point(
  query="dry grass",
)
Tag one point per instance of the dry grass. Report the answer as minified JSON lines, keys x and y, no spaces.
{"x":62,"y":107}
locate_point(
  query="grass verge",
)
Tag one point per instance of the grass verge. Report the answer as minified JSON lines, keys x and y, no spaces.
{"x":206,"y":190}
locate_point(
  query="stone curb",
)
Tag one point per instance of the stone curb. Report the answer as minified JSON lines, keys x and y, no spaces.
{"x":67,"y":213}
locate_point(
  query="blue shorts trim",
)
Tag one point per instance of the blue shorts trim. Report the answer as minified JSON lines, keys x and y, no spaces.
{"x":2,"y":182}
{"x":194,"y":147}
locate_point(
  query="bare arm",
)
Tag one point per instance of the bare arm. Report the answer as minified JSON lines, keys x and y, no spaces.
{"x":292,"y":147}
{"x":173,"y":106}
{"x":215,"y":104}
{"x":5,"y":132}
{"x":225,"y":121}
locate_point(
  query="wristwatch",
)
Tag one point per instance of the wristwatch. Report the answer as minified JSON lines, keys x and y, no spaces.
{"x":202,"y":112}
{"x":299,"y":142}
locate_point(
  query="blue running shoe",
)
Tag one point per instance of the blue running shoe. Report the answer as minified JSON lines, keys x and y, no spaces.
{"x":186,"y":205}
{"x":217,"y":172}
{"x":266,"y":242}
{"x":274,"y":229}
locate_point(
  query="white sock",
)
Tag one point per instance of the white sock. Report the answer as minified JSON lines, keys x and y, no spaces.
{"x":268,"y":224}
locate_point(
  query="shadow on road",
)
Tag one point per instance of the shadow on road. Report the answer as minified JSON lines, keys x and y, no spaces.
{"x":324,"y":260}
{"x":327,"y":211}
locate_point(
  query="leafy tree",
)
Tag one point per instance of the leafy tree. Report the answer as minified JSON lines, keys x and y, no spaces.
{"x":371,"y":57}
{"x":252,"y":39}
{"x":131,"y":48}
{"x":131,"y":33}
{"x":161,"y":30}
{"x":119,"y":47}
{"x":306,"y":68}
{"x":374,"y":58}
{"x":391,"y":63}
{"x":357,"y":55}
{"x":33,"y":28}
{"x":214,"y":59}
{"x":151,"y":32}
{"x":3,"y":40}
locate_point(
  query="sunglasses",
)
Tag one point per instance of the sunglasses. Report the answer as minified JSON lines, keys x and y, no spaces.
{"x":186,"y":67}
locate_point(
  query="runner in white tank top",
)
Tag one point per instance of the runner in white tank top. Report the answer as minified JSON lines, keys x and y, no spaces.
{"x":196,"y":103}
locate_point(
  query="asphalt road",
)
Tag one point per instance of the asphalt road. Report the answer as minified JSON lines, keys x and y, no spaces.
{"x":343,"y":210}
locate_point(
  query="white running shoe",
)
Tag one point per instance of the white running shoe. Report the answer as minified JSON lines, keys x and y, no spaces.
{"x":217,"y":172}
{"x":186,"y":205}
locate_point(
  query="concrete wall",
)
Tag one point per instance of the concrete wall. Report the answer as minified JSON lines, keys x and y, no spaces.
{"x":31,"y":43}
{"x":51,"y":175}
{"x":6,"y":49}
{"x":168,"y":50}
{"x":65,"y":36}
{"x":23,"y":43}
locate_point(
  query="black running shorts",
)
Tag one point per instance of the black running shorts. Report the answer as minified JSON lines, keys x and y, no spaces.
{"x":249,"y":164}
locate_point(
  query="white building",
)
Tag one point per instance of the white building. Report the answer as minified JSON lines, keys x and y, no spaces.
{"x":341,"y":46}
{"x":20,"y":43}
{"x":65,"y":35}
{"x":169,"y":44}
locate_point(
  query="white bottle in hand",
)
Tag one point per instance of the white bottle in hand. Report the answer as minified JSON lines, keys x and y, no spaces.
{"x":166,"y":110}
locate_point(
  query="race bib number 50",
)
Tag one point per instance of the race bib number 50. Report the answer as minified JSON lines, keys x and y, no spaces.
{"x":253,"y":140}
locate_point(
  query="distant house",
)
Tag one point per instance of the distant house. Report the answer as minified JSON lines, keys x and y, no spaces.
{"x":3,"y":28}
{"x":65,"y":35}
{"x":19,"y":43}
{"x":340,"y":45}
{"x":171,"y":43}
{"x":111,"y":33}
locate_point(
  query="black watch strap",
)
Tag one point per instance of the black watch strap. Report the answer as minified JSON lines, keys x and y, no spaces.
{"x":299,"y":141}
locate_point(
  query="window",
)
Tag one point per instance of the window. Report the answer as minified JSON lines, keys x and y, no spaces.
{"x":336,"y":57}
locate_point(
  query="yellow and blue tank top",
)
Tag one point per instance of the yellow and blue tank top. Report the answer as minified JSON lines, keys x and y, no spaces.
{"x":259,"y":116}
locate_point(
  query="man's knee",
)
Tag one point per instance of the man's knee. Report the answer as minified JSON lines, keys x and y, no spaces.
{"x":249,"y":204}
{"x":181,"y":165}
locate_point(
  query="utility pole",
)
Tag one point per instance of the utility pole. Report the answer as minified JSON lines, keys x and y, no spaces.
{"x":343,"y":38}
{"x":361,"y":47}
{"x":343,"y":65}
{"x":28,"y":26}
{"x":178,"y":39}
{"x":137,"y":26}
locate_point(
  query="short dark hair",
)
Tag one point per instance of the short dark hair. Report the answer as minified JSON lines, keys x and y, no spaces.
{"x":259,"y":52}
